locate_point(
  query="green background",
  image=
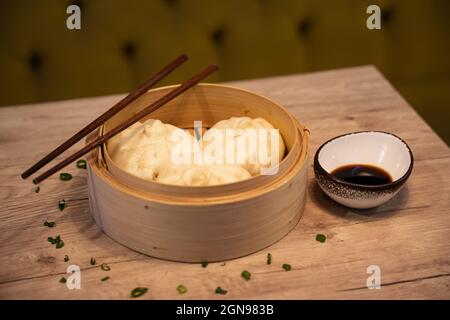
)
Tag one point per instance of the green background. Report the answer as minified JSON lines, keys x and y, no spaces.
{"x":122,"y":42}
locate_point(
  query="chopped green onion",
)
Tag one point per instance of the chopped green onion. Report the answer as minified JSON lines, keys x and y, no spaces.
{"x":205,"y":264}
{"x":219,"y":290}
{"x":321,"y":238}
{"x":57,"y":241}
{"x":105,"y":267}
{"x":52,"y":240}
{"x":62,"y":204}
{"x":286,"y":267}
{"x":49,"y":224}
{"x":37,"y":189}
{"x":137,"y":292}
{"x":64,"y":176}
{"x":93,"y":261}
{"x":181,"y":289}
{"x":66,"y":258}
{"x":246,"y":275}
{"x":105,"y":278}
{"x":81,"y":164}
{"x":269,"y":258}
{"x":63,"y":280}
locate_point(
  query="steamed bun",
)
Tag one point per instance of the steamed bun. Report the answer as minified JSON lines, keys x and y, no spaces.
{"x":144,"y":149}
{"x":202,"y":175}
{"x":252,"y":157}
{"x":164,"y":153}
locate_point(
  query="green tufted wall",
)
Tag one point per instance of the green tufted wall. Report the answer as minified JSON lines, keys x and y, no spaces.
{"x":122,"y":42}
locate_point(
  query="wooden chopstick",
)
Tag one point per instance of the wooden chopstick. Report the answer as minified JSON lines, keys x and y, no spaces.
{"x":135,"y":118}
{"x":108,"y":114}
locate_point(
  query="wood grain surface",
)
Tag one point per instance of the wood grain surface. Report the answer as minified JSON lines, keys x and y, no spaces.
{"x":408,"y":238}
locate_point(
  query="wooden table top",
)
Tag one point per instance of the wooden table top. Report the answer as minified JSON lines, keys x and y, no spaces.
{"x":408,"y":238}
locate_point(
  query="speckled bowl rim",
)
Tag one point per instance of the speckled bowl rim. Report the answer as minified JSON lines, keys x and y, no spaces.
{"x":390,"y":185}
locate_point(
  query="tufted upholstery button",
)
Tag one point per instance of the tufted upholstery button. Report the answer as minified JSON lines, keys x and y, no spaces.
{"x":386,"y":15}
{"x":129,"y":50}
{"x":218,"y":36}
{"x":35,"y":61}
{"x":304,"y":27}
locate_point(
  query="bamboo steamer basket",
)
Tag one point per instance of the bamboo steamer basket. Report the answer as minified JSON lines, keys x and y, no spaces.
{"x":208,"y":223}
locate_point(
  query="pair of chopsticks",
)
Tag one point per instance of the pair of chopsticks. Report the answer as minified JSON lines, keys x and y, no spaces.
{"x":111,"y":112}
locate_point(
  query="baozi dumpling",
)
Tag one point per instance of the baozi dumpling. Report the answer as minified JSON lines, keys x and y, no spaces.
{"x":144,"y":149}
{"x":243,"y":145}
{"x":202,"y":175}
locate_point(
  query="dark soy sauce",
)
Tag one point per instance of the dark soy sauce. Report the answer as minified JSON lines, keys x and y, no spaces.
{"x":364,"y":174}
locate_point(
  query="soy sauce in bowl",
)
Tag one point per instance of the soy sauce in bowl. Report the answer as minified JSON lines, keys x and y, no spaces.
{"x":362,"y":174}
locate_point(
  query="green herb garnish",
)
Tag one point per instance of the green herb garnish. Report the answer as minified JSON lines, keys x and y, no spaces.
{"x":205,"y":264}
{"x":269,"y":258}
{"x":49,"y":224}
{"x":56,"y":241}
{"x":181,"y":289}
{"x":66,"y":258}
{"x":59,"y":244}
{"x":62,"y":204}
{"x":137,"y":292}
{"x":51,"y":240}
{"x":105,"y":267}
{"x":246,"y":275}
{"x":64,"y":176}
{"x":286,"y":267}
{"x":63,"y":280}
{"x":37,"y":189}
{"x":105,"y":278}
{"x":321,"y":238}
{"x":219,"y":290}
{"x":93,"y":261}
{"x":81,"y":164}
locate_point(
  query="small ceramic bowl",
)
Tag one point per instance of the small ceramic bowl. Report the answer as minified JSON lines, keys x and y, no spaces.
{"x":380,"y":149}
